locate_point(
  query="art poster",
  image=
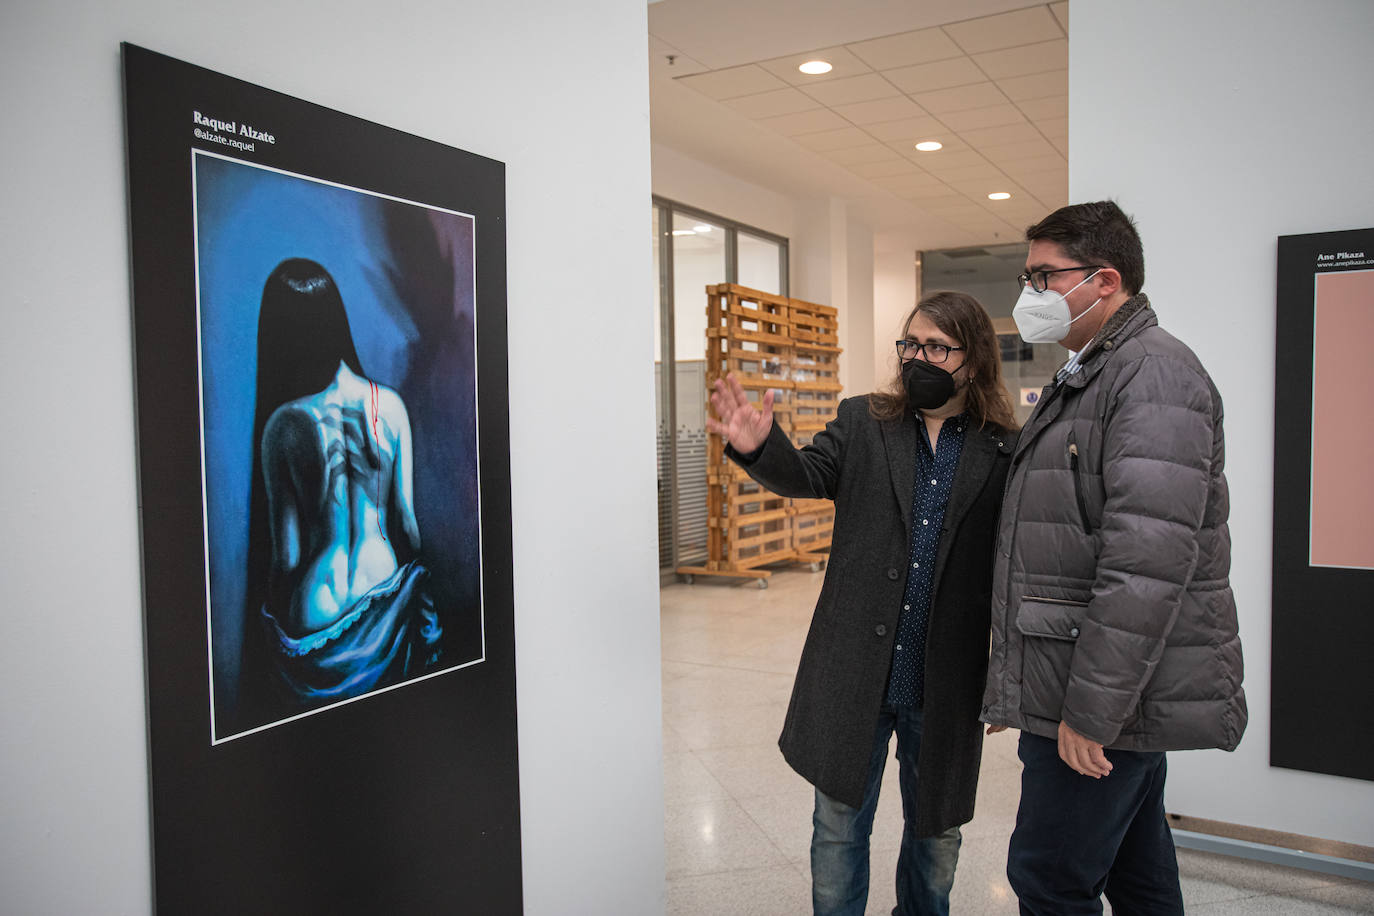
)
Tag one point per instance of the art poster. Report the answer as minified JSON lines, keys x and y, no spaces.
{"x":319,"y":308}
{"x":1323,"y":620}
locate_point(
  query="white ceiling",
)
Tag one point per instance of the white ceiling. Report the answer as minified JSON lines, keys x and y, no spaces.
{"x":987,"y":78}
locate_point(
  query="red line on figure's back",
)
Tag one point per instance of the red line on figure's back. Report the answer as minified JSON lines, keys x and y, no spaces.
{"x":376,"y":403}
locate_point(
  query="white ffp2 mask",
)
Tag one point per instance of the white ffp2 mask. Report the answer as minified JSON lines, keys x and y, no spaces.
{"x":1044,"y":317}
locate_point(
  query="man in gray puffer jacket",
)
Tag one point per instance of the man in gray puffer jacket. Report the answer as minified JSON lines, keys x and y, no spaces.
{"x":1114,"y":633}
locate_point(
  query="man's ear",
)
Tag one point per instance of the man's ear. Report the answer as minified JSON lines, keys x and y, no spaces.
{"x":1108,"y":281}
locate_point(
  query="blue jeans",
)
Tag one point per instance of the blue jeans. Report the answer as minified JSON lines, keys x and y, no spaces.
{"x":839,"y":840}
{"x":1077,"y":837}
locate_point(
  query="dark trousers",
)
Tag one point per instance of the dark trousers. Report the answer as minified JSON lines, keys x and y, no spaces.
{"x":1077,"y":838}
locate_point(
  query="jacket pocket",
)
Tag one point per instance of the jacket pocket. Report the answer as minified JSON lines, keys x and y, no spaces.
{"x":1078,"y":485}
{"x":1049,"y":631}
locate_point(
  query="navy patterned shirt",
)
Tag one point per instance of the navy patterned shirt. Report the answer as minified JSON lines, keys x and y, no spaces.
{"x":934,"y":480}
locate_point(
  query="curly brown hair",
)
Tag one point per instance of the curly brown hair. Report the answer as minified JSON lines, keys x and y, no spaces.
{"x":963,"y":318}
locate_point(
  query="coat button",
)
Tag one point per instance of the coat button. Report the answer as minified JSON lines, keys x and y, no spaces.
{"x":1074,"y":632}
{"x":892,"y":574}
{"x":880,"y":629}
{"x":1108,"y":345}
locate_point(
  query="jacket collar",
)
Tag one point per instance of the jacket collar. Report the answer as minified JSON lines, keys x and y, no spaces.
{"x":902,"y":439}
{"x":899,"y":438}
{"x":975,"y":463}
{"x":1134,"y":316}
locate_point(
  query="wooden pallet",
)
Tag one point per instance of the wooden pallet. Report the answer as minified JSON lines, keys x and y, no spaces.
{"x":747,"y":335}
{"x":811,"y":531}
{"x":815,"y":365}
{"x":815,"y":324}
{"x":792,"y":347}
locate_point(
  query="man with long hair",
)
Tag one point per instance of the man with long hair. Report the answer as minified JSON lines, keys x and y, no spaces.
{"x":899,"y":639}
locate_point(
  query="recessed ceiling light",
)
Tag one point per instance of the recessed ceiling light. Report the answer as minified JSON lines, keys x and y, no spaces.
{"x":999,"y":195}
{"x":929,"y":146}
{"x":701,"y":227}
{"x":815,"y":67}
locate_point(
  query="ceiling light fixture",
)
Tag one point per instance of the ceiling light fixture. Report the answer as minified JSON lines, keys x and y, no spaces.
{"x":684,"y":232}
{"x":701,"y":227}
{"x":999,"y":195}
{"x":929,"y":146}
{"x":815,"y":67}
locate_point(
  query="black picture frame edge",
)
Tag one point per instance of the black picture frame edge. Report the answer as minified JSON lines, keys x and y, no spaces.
{"x":493,"y":411}
{"x":1307,"y":733}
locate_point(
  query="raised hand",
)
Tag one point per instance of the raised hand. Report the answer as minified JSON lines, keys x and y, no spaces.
{"x":742,"y":424}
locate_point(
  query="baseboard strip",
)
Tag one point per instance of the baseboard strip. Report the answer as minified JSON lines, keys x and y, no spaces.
{"x":1274,"y":855}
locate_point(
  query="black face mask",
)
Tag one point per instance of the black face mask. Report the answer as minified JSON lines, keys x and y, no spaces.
{"x":926,"y":386}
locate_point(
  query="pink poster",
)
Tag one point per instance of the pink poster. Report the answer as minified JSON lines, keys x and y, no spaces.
{"x":1342,"y":436}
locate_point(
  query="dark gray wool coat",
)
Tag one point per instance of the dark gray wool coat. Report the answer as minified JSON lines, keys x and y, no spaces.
{"x":868,"y":467}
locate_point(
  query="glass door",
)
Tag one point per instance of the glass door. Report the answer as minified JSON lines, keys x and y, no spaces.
{"x":693,"y":250}
{"x":699,"y":261}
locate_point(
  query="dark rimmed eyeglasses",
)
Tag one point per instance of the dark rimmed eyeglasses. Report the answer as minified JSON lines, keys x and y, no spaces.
{"x":1039,"y":280}
{"x":933,"y":352}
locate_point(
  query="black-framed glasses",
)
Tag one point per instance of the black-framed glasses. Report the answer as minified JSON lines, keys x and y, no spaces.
{"x":1040,"y":279}
{"x":933,"y":352}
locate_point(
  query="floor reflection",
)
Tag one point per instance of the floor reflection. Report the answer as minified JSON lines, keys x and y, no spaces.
{"x":738,"y":820}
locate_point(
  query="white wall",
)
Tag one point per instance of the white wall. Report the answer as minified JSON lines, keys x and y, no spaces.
{"x":73,"y":784}
{"x":823,"y":238}
{"x":1221,"y":126}
{"x":685,"y":180}
{"x":819,"y":264}
{"x":894,"y":295}
{"x":858,"y":320}
{"x":833,"y":265}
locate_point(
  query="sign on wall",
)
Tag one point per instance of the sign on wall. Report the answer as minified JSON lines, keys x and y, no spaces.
{"x":319,"y":309}
{"x":1323,"y":619}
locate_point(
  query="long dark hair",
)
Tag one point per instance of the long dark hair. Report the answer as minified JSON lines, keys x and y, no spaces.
{"x":963,"y":318}
{"x":303,"y":335}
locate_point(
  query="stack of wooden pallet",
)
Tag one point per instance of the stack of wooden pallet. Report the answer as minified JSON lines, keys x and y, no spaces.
{"x":789,"y":346}
{"x":816,"y":397}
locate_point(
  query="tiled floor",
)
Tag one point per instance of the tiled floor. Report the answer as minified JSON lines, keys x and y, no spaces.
{"x":739,"y":820}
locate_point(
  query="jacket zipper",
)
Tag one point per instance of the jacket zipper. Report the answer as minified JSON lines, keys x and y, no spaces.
{"x":1066,"y":601}
{"x":1078,"y":488}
